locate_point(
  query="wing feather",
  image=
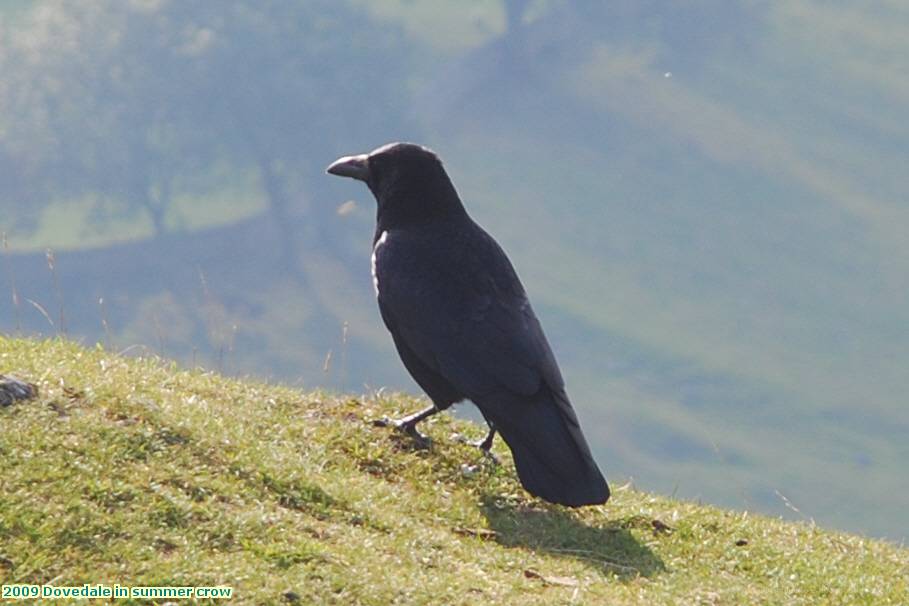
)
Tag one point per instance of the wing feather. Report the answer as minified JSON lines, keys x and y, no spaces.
{"x":470,"y":321}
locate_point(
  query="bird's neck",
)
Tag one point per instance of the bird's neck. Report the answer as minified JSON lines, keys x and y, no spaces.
{"x":413,"y":205}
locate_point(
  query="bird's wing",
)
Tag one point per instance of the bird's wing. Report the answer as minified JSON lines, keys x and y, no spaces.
{"x":463,"y":311}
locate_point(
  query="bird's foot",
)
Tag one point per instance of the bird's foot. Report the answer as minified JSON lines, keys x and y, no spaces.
{"x":485,"y":446}
{"x":493,"y":459}
{"x":407,"y":427}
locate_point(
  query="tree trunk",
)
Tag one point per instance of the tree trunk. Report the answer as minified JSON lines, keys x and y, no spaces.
{"x":157,"y":216}
{"x":278,"y":203}
{"x":514,"y":13}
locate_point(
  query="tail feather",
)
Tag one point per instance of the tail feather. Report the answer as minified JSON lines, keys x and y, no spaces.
{"x":550,"y":453}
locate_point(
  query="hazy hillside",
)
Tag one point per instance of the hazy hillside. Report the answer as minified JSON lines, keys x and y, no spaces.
{"x":706,"y":204}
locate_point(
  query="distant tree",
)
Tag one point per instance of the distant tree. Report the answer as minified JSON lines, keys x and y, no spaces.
{"x":123,"y":99}
{"x":23,"y":144}
{"x":291,"y":83}
{"x":21,"y":196}
{"x":95,"y":103}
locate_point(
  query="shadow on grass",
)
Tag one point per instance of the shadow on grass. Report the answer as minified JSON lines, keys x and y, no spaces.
{"x":610,"y":549}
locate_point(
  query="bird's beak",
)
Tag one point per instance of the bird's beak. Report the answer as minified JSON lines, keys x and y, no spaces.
{"x":355,"y":167}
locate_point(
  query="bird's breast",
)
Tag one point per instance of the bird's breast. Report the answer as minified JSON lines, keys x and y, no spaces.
{"x":375,"y":249}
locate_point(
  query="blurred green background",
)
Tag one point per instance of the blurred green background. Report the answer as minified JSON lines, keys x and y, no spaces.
{"x":706,"y":201}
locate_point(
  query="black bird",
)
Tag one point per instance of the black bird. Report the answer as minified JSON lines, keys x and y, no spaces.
{"x":463,"y":325}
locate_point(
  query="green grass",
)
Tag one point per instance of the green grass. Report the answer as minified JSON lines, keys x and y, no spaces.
{"x":139,"y":473}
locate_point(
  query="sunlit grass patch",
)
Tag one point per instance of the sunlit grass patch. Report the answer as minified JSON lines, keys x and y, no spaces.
{"x":139,"y":473}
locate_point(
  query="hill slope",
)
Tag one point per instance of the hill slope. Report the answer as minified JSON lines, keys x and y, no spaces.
{"x":138,"y":473}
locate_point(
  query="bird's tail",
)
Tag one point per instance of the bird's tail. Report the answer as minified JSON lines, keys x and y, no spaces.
{"x":549,"y":450}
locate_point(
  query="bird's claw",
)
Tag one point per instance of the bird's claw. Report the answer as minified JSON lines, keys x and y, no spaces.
{"x":422,"y":441}
{"x":490,"y":455}
{"x":484,"y":445}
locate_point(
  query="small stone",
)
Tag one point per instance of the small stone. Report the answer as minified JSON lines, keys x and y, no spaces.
{"x":13,"y":389}
{"x":469,"y":470}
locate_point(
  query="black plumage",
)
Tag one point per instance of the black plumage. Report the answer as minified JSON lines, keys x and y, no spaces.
{"x":463,"y":325}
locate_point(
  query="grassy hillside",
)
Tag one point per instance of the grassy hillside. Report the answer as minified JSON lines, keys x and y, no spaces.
{"x":138,"y":473}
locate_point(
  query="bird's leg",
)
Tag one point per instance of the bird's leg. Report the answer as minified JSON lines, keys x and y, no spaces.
{"x":409,"y":424}
{"x":486,"y":443}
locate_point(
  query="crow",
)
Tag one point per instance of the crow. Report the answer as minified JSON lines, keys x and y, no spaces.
{"x":463,"y":326}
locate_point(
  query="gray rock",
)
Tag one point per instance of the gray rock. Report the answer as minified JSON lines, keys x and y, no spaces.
{"x":12,"y":389}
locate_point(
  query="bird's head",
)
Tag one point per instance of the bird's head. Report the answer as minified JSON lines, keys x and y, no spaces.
{"x":408,"y":180}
